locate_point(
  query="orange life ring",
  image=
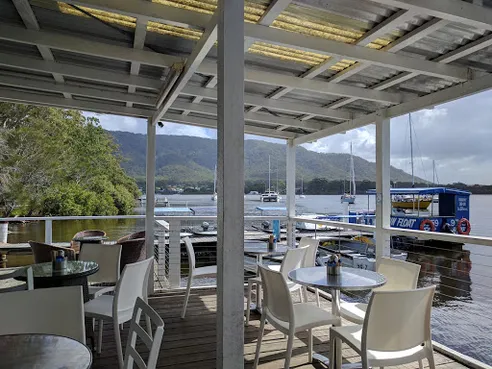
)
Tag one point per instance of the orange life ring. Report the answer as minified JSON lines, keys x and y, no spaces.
{"x":430,"y":223}
{"x":460,"y":229}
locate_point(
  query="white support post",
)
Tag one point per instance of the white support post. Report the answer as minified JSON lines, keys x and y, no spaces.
{"x":230,"y":189}
{"x":291,"y":192}
{"x":383,"y":196}
{"x":174,"y":254}
{"x":48,"y":231}
{"x":150,"y":198}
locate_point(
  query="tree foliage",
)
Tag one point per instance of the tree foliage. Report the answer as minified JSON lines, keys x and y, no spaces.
{"x":59,"y":162}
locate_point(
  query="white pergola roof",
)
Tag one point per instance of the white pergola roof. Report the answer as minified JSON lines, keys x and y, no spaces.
{"x":313,"y":67}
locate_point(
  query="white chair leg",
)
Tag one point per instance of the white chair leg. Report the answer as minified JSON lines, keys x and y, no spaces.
{"x":310,"y":345}
{"x":316,"y":291}
{"x":258,"y":343}
{"x":421,"y":364}
{"x":430,"y":358}
{"x":248,"y":303}
{"x":288,"y":354}
{"x":301,"y":295}
{"x":332,"y":349}
{"x":187,"y":296}
{"x":100,"y":337}
{"x":305,"y":293}
{"x":338,"y":353}
{"x":117,"y":338}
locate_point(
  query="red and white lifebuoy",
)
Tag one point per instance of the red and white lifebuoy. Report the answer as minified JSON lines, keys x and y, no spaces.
{"x":459,"y":226}
{"x":428,"y":222}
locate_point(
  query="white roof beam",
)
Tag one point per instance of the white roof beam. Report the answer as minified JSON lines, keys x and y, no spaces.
{"x":361,"y":53}
{"x":10,"y":95}
{"x":200,"y":51}
{"x":453,"y":10}
{"x":276,"y":105}
{"x":212,"y":123}
{"x":276,"y":79}
{"x":449,"y":94}
{"x":69,"y":70}
{"x":138,"y":43}
{"x":26,"y":13}
{"x":98,"y":93}
{"x":251,"y":117}
{"x":83,"y":46}
{"x":399,"y":44}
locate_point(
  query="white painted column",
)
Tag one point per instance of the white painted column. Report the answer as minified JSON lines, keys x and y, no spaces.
{"x":174,"y":253}
{"x":48,"y":231}
{"x":383,"y":197}
{"x":291,"y":192}
{"x":150,"y":197}
{"x":230,"y":189}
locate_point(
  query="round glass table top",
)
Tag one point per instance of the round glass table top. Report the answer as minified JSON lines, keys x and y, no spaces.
{"x":74,"y":269}
{"x":349,"y":278}
{"x":261,"y":248}
{"x":43,"y":351}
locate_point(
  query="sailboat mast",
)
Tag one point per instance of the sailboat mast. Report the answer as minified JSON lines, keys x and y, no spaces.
{"x":434,"y":172}
{"x":277,"y":178}
{"x":352,"y":171}
{"x":269,"y":173}
{"x":215,"y":178}
{"x":302,"y":185}
{"x":411,"y":146}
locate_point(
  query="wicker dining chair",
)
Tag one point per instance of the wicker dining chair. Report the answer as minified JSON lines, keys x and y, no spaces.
{"x":43,"y":252}
{"x":132,"y":248}
{"x":75,"y":245}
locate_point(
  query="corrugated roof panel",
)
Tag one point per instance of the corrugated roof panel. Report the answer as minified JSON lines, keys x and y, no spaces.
{"x":20,"y":49}
{"x":91,"y":61}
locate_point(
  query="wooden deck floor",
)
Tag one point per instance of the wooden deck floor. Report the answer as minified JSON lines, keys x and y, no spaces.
{"x":190,"y":343}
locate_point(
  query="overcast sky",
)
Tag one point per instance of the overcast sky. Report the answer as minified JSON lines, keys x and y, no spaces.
{"x":457,"y":135}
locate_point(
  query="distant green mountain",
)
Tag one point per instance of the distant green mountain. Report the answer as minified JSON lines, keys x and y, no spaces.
{"x":191,"y":160}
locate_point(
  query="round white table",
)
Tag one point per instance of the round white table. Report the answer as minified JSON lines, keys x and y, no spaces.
{"x":43,"y":351}
{"x":352,"y":279}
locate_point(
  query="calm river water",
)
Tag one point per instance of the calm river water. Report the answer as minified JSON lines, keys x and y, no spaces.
{"x":461,"y":316}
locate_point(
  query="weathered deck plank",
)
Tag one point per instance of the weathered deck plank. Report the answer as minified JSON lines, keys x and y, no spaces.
{"x":190,"y":343}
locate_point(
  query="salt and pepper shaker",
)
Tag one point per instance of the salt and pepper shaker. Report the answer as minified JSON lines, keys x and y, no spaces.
{"x":333,"y":265}
{"x":272,"y":244}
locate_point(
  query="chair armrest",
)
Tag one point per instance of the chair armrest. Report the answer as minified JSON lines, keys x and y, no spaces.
{"x":103,"y":291}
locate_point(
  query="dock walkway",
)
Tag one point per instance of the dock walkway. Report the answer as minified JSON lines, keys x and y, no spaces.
{"x":191,"y":343}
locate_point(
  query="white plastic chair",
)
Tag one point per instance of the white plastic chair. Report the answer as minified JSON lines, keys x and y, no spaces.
{"x":151,"y":341}
{"x":400,"y":275}
{"x":396,"y":330}
{"x":194,"y":272}
{"x":108,"y":259}
{"x":49,"y":310}
{"x":119,"y":308}
{"x":8,"y":274}
{"x":288,"y":318}
{"x":293,"y":259}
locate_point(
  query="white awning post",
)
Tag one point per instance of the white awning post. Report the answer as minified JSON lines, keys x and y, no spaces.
{"x":291,"y":192}
{"x":383,"y":196}
{"x":174,"y":253}
{"x":230,"y":189}
{"x":150,"y":197}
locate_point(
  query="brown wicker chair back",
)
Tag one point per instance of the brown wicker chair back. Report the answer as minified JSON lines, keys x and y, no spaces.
{"x":43,"y":253}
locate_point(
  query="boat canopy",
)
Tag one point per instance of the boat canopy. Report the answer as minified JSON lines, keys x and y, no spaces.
{"x":171,"y":210}
{"x":423,"y":191}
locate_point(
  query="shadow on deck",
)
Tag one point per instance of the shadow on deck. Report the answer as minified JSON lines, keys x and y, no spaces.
{"x":191,"y":342}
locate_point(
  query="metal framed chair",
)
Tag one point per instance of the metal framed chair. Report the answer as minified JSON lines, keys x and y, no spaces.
{"x":58,"y":310}
{"x":194,"y":272}
{"x":400,"y":275}
{"x":108,"y":259}
{"x":118,"y":308}
{"x":287,"y":317}
{"x":151,"y":341}
{"x":396,"y":330}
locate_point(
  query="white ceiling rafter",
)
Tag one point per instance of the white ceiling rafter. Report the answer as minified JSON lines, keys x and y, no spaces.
{"x":200,"y":51}
{"x":399,"y":44}
{"x":70,"y":70}
{"x":430,"y":100}
{"x":138,"y":43}
{"x":29,"y":18}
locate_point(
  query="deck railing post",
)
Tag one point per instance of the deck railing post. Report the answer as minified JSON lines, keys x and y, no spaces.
{"x":230,"y":186}
{"x":48,"y":231}
{"x":383,"y":196}
{"x":150,"y":197}
{"x":291,"y":192}
{"x":174,"y":253}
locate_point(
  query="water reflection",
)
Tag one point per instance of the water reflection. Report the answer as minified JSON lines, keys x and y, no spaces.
{"x":448,"y":266}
